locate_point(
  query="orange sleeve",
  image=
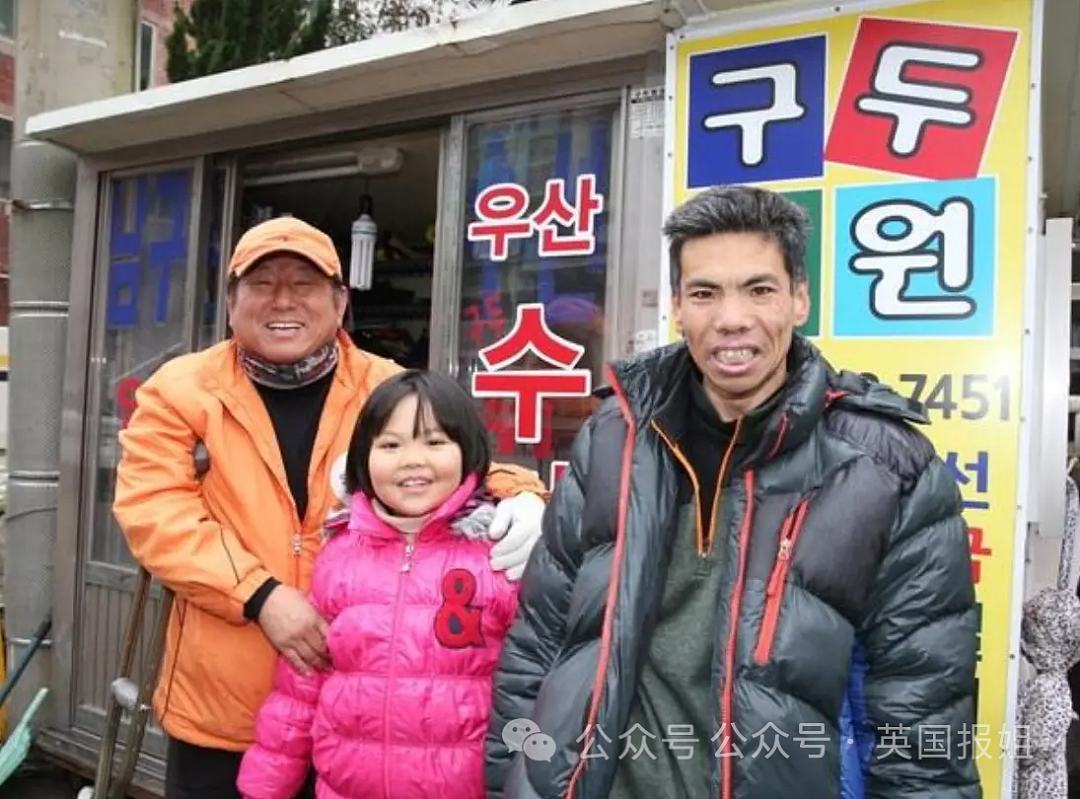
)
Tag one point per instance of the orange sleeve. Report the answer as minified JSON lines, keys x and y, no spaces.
{"x":506,"y":480}
{"x":161,"y":513}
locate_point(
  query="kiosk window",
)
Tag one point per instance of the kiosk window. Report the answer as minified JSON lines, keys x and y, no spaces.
{"x":534,"y":276}
{"x":144,"y":308}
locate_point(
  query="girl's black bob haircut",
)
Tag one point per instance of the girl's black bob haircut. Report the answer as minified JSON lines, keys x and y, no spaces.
{"x":450,"y":407}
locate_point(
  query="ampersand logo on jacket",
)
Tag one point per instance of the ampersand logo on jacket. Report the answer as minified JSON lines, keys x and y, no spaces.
{"x":457,"y":624}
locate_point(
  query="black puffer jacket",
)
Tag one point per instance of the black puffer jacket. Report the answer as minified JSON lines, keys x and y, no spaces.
{"x":873,"y":633}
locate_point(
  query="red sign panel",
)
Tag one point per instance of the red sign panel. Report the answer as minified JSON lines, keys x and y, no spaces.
{"x":919,"y":98}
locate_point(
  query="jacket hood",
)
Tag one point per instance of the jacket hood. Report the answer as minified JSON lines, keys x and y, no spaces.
{"x":654,"y":386}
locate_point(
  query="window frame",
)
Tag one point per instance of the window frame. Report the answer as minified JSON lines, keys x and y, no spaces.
{"x":14,"y":25}
{"x":144,"y":25}
{"x":447,"y":291}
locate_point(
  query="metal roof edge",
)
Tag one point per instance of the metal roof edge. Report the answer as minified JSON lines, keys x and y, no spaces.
{"x":473,"y":34}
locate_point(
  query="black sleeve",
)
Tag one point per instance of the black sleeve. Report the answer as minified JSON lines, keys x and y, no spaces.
{"x":921,"y":638}
{"x":543,"y":604}
{"x":253,"y":607}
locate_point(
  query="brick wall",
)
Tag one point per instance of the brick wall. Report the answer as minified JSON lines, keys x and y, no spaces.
{"x":159,"y":13}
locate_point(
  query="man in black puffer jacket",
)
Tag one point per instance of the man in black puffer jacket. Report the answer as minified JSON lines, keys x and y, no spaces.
{"x":754,"y":581}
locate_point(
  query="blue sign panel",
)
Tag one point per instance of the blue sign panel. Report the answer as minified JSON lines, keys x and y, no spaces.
{"x":915,"y":259}
{"x":148,"y":236}
{"x":757,"y":113}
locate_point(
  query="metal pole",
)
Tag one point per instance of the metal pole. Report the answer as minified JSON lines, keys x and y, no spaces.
{"x":68,"y":52}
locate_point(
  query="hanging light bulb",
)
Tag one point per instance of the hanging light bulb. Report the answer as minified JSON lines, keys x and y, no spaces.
{"x":364,"y":238}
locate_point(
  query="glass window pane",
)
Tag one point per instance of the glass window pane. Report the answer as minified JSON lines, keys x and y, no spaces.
{"x":208,"y":305}
{"x":149,"y":224}
{"x":146,"y":56}
{"x":8,"y":20}
{"x":562,"y":278}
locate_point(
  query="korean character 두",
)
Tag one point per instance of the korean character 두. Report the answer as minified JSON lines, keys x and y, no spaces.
{"x":557,"y":210}
{"x":920,"y":97}
{"x":895,"y":257}
{"x":912,"y":105}
{"x":500,"y":210}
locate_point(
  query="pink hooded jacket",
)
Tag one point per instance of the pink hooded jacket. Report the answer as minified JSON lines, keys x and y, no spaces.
{"x":415,"y":635}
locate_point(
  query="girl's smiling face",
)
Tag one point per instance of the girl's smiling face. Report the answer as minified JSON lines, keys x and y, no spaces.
{"x":413,"y":464}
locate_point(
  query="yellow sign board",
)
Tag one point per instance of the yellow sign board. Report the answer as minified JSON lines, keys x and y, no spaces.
{"x":904,"y":131}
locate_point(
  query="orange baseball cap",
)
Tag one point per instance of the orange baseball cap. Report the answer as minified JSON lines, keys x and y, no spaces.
{"x":285,"y":234}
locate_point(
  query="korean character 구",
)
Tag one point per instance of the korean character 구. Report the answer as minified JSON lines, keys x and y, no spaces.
{"x":500,"y":209}
{"x":555,"y":209}
{"x":897,"y":256}
{"x":678,"y":740}
{"x":785,"y":107}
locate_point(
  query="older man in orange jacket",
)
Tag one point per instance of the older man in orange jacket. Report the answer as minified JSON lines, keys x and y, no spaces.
{"x":274,"y":407}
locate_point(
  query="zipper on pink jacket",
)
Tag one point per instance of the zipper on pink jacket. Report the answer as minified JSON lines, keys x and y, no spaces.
{"x":406,"y":565}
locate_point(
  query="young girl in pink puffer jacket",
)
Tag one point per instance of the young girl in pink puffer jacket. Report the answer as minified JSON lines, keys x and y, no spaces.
{"x":416,"y":616}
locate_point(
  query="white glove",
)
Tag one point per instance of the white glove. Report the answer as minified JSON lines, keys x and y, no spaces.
{"x":516,"y":526}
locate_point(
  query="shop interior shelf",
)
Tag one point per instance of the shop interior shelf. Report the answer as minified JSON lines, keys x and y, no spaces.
{"x":414,"y":311}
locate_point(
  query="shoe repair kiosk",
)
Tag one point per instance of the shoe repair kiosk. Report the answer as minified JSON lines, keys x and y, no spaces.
{"x":496,"y":191}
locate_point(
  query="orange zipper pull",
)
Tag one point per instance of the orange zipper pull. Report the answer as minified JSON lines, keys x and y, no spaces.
{"x":782,"y":556}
